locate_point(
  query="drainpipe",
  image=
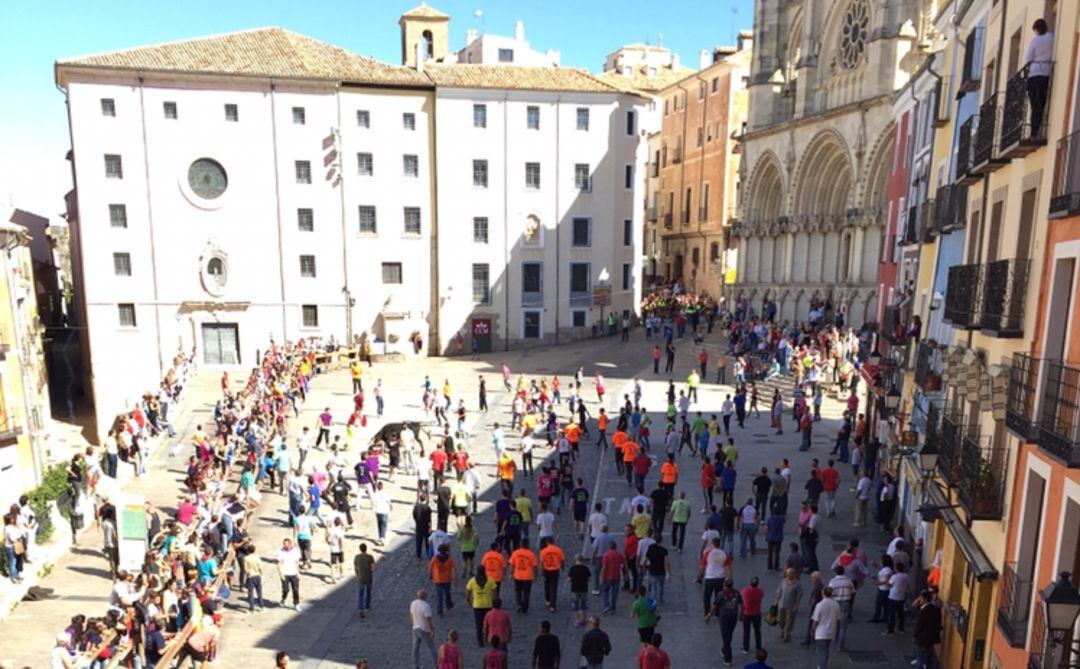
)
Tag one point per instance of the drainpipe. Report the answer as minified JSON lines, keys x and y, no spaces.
{"x":150,"y":223}
{"x":558,"y":216}
{"x":340,"y":145}
{"x":682,"y":173}
{"x":506,"y":230}
{"x":277,"y":205}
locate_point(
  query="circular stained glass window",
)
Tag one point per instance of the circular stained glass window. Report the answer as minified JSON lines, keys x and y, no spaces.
{"x":853,"y":33}
{"x":207,"y":178}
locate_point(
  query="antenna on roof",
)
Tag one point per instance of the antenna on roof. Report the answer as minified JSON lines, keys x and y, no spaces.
{"x":479,"y":14}
{"x":660,"y":36}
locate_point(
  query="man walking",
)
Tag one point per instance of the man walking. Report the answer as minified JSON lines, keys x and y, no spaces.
{"x":824,"y":621}
{"x":927,"y":631}
{"x":364,"y":567}
{"x":595,"y":645}
{"x":843,"y":593}
{"x":523,"y":562}
{"x":288,"y":567}
{"x":423,"y":628}
{"x":788,"y":596}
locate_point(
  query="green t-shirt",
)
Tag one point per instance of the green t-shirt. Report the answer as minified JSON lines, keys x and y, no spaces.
{"x":699,"y":425}
{"x":731,"y":454}
{"x":467,"y":541}
{"x":642,"y":614}
{"x":680,"y":511}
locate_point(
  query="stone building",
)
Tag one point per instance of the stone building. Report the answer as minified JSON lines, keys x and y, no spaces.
{"x":817,"y":153}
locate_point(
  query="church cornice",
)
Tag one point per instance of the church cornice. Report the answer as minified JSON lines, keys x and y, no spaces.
{"x":794,"y":124}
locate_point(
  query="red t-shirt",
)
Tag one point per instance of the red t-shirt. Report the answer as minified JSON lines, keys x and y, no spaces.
{"x":630,"y":545}
{"x":611,"y":569}
{"x":751,"y":600}
{"x":642,"y":463}
{"x":652,"y":657}
{"x":438,"y":459}
{"x":830,"y":479}
{"x":498,"y":624}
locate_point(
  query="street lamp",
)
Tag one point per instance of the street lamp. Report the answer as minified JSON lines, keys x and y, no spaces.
{"x":928,"y":458}
{"x":892,"y":399}
{"x":1062,"y":601}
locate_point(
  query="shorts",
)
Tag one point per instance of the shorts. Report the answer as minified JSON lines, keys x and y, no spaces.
{"x":337,"y":558}
{"x":581,"y":602}
{"x":468,"y":555}
{"x":460,"y":510}
{"x":579,"y":514}
{"x":395,"y":460}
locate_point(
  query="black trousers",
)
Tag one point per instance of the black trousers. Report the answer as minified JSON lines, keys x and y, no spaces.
{"x":522,"y":591}
{"x":749,"y":622}
{"x":1037,"y":88}
{"x":551,"y":587}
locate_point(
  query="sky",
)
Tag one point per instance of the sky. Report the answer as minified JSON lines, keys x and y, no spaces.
{"x":33,"y":123}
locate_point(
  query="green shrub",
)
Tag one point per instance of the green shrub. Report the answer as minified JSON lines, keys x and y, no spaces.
{"x":53,"y":486}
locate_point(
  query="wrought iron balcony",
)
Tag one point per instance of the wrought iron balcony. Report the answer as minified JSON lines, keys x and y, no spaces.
{"x":951,"y":436}
{"x":910,"y":234}
{"x":926,"y":228}
{"x":667,"y":220}
{"x":925,"y":377}
{"x":1014,"y":605}
{"x":981,"y":489}
{"x":1065,"y":191}
{"x":894,"y":325}
{"x":986,"y":156}
{"x":1059,"y":412}
{"x":965,"y":150}
{"x":1025,"y":114}
{"x":963,"y":297}
{"x":1020,"y":417}
{"x":950,"y":208}
{"x":1004,"y":291}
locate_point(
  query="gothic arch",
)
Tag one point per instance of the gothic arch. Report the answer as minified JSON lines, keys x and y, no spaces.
{"x":766,"y":201}
{"x":876,"y":181}
{"x":825,"y":177}
{"x":794,"y":46}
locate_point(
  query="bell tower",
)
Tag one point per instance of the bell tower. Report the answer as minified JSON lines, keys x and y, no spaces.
{"x":426,"y":31}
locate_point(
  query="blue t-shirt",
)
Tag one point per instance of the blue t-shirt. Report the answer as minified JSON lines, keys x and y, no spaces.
{"x":728,"y":478}
{"x":774,"y":528}
{"x":206,"y":570}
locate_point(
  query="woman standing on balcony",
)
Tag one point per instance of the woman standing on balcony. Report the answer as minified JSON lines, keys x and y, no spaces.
{"x":1039,"y":59}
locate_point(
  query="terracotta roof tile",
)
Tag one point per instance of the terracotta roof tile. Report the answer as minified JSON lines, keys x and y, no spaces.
{"x":517,"y":77}
{"x":640,"y":79}
{"x":425,"y":12}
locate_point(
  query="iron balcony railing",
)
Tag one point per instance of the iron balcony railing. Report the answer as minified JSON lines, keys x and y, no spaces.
{"x":926,"y":229}
{"x":1020,"y":398}
{"x":1037,"y":657}
{"x":911,"y":223}
{"x":1059,"y":412}
{"x":1025,"y":113}
{"x":981,"y":488}
{"x":928,"y":380}
{"x":963,"y":297}
{"x":1004,"y":289}
{"x":893,"y":327}
{"x":965,"y":150}
{"x":702,"y":213}
{"x":1014,"y":605}
{"x":950,"y":447}
{"x":1065,"y":190}
{"x":950,"y":208}
{"x":667,"y":220}
{"x":986,"y":156}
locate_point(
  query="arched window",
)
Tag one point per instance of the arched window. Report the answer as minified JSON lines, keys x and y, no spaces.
{"x":216,"y":269}
{"x":714,"y":251}
{"x":429,"y":44}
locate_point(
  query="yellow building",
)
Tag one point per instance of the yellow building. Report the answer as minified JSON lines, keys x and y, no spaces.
{"x":24,"y":394}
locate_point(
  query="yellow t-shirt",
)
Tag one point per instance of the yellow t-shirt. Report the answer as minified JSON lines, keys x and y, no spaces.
{"x":641,"y":523}
{"x":482,"y":595}
{"x":524,"y":506}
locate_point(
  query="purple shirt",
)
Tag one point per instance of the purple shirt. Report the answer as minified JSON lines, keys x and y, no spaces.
{"x":325,"y":418}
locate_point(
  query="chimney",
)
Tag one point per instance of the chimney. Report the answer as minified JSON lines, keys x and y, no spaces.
{"x":703,"y":59}
{"x":746,"y":40}
{"x":519,"y":31}
{"x":470,"y":36}
{"x":421,"y":53}
{"x":674,"y":61}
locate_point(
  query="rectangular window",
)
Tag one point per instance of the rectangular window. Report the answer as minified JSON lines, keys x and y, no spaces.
{"x":627,"y":232}
{"x":479,"y":116}
{"x":114,"y":167}
{"x":577,"y":317}
{"x":480,"y":173}
{"x":700,"y":136}
{"x":579,"y":277}
{"x":367,"y":218}
{"x":628,"y":177}
{"x":631,"y":123}
{"x":170,"y":110}
{"x":532,"y":176}
{"x":310,"y":315}
{"x":307,"y":266}
{"x":715,"y":84}
{"x":305,"y":220}
{"x":363,"y":118}
{"x":480,"y":229}
{"x":121,"y":264}
{"x":687,"y":203}
{"x":412,"y":220}
{"x":582,"y":118}
{"x":627,"y":276}
{"x":118,"y":215}
{"x":232,"y":113}
{"x":582,"y":235}
{"x":410,"y":165}
{"x":701,"y":91}
{"x":303,"y":171}
{"x":126,"y":315}
{"x":299,"y":117}
{"x":582,"y":177}
{"x":532,"y":117}
{"x":408,"y":121}
{"x":481,"y":283}
{"x":506,"y":55}
{"x":365,"y":164}
{"x":532,"y":281}
{"x":391,"y":272}
{"x":108,"y":107}
{"x":704,"y":213}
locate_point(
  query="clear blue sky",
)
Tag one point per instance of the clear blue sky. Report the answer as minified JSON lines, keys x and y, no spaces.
{"x":33,"y":123}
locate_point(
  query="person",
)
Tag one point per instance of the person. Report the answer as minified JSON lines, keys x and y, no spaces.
{"x":643,"y":611}
{"x":523,"y":562}
{"x":613,"y":568}
{"x":579,"y":576}
{"x":727,"y":608}
{"x":364,"y":568}
{"x":651,"y":656}
{"x":774,"y":536}
{"x":715,"y":559}
{"x":497,"y":626}
{"x":61,"y":657}
{"x":748,"y":528}
{"x":843,"y":589}
{"x":759,"y":660}
{"x":1039,"y":59}
{"x":480,"y":593}
{"x":288,"y":568}
{"x":894,"y":611}
{"x":496,"y":658}
{"x":423,"y":628}
{"x":862,"y":497}
{"x":552,"y":559}
{"x":421,"y":514}
{"x":546,"y":651}
{"x":595,"y":645}
{"x":680,"y":516}
{"x":927,"y":631}
{"x":441,"y":569}
{"x":788,"y":596}
{"x":752,"y":597}
{"x":381,"y":503}
{"x":825,"y":620}
{"x":450,"y":653}
{"x":494,"y":564}
{"x":658,"y":565}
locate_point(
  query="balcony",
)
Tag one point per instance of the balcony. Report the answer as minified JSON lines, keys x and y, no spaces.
{"x":981,"y":488}
{"x":1065,"y":191}
{"x":702,"y":213}
{"x":1020,"y":417}
{"x":950,"y":208}
{"x":950,"y":437}
{"x":926,"y":378}
{"x":963,"y":297}
{"x":926,"y":229}
{"x":1023,"y":124}
{"x":667,"y":220}
{"x":1004,"y":289}
{"x":653,"y":214}
{"x":1014,"y":605}
{"x":986,"y":156}
{"x":1059,"y":412}
{"x":910,"y":235}
{"x":965,"y":148}
{"x":893,"y":326}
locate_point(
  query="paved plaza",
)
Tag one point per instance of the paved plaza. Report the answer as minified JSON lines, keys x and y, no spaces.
{"x":326,"y":633}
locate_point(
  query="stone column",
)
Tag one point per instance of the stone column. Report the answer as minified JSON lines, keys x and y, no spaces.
{"x":789,"y":250}
{"x":855,"y":262}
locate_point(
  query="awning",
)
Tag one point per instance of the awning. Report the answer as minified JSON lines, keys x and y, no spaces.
{"x":969,"y":546}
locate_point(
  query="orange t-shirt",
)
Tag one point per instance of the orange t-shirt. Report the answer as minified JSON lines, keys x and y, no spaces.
{"x":506,"y":469}
{"x":669,"y":472}
{"x":524,"y":562}
{"x":442,"y":571}
{"x":618,"y":438}
{"x":602,"y":421}
{"x":629,"y":451}
{"x":552,"y":557}
{"x":494,"y":565}
{"x":573,"y":433}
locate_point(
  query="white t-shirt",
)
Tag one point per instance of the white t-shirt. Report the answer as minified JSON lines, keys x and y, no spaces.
{"x":639,"y":499}
{"x":708,"y":535}
{"x":527,"y":444}
{"x":642,"y":547}
{"x":883,"y":577}
{"x":423,"y":469}
{"x":749,"y":514}
{"x":597,"y":521}
{"x":289,"y":561}
{"x":546,"y":522}
{"x":381,"y":502}
{"x":862,"y":489}
{"x":420,"y":612}
{"x":715,"y":559}
{"x":335,"y":536}
{"x":438,"y":538}
{"x":827,"y":616}
{"x":729,"y":408}
{"x":891,"y":550}
{"x":898,"y":587}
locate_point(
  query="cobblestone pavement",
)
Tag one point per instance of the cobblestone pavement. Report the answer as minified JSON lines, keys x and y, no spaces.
{"x":326,"y":634}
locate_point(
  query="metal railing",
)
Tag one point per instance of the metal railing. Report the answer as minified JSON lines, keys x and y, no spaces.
{"x":1004,"y":289}
{"x":981,"y":488}
{"x":965,"y":149}
{"x":986,"y":156}
{"x":1037,"y":657}
{"x":1014,"y":605}
{"x":950,"y":447}
{"x":654,"y":214}
{"x":1059,"y":412}
{"x":950,"y":208}
{"x":963,"y":296}
{"x":893,"y":327}
{"x":1023,"y":123}
{"x":702,"y":213}
{"x":1065,"y":191}
{"x":925,"y":376}
{"x":1020,"y":417}
{"x":910,"y":235}
{"x":926,"y":229}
